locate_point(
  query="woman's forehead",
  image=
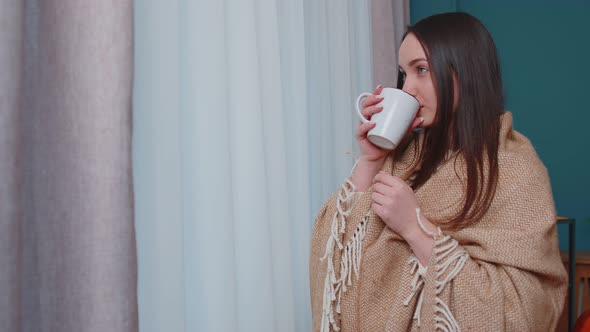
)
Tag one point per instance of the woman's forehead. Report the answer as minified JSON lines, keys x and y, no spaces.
{"x":411,"y":51}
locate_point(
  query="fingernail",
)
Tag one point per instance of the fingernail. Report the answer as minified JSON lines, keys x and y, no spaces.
{"x":421,"y":119}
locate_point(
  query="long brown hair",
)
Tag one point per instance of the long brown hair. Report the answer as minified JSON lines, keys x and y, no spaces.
{"x":459,"y":48}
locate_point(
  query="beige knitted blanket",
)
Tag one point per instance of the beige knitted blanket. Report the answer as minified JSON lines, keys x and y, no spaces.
{"x":504,"y":273}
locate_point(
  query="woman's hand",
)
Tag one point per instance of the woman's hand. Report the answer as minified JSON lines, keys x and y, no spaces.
{"x":369,"y":151}
{"x":395,"y":203}
{"x":372,"y":157}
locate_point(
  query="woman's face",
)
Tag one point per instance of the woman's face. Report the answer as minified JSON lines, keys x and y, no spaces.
{"x":418,"y":79}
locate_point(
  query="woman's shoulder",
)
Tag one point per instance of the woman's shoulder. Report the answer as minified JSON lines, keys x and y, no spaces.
{"x":518,"y":160}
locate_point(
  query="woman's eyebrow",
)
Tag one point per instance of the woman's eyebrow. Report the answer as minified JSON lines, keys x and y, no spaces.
{"x":417,"y":60}
{"x":413,"y":62}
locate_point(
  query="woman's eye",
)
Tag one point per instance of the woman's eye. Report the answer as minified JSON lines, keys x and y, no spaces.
{"x":422,"y":70}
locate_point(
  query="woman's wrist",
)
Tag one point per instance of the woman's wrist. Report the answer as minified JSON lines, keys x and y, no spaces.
{"x":364,"y":172}
{"x":421,"y":240}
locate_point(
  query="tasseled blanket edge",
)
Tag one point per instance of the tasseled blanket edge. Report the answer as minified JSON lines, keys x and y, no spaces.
{"x":335,"y":286}
{"x":445,"y":254}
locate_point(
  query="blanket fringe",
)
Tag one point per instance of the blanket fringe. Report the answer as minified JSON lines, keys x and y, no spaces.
{"x":335,"y":286}
{"x":419,"y":272}
{"x":445,"y":255}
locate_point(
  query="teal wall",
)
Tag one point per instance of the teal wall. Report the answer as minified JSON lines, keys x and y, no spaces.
{"x":544,"y":49}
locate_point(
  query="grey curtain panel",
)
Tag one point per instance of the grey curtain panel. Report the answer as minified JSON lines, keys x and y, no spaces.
{"x":67,"y":239}
{"x":389,"y":20}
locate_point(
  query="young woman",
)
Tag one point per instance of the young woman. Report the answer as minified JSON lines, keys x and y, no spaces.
{"x":455,"y":229}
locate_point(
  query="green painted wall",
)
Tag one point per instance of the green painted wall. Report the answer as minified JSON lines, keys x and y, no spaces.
{"x":544,"y":49}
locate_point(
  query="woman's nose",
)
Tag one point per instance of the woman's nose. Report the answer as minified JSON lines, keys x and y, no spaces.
{"x":409,"y":87}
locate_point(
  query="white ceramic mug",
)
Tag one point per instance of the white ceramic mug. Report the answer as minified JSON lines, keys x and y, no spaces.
{"x":392,"y":123}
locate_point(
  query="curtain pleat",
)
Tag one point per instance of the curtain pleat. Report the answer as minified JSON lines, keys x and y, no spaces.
{"x":67,"y":235}
{"x":11,"y":33}
{"x":243,"y":126}
{"x":389,"y":22}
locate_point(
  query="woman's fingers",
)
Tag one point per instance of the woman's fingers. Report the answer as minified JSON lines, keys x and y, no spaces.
{"x":388,"y":180}
{"x":371,"y":100}
{"x":382,"y":188}
{"x":370,"y":106}
{"x":374,"y":99}
{"x":379,"y":198}
{"x":379,"y":209}
{"x":363,"y":129}
{"x":396,"y":185}
{"x":378,"y":89}
{"x":417,"y":121}
{"x":368,"y":112}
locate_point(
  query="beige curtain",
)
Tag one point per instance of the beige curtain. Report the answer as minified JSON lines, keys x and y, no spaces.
{"x":67,"y":248}
{"x":389,"y":21}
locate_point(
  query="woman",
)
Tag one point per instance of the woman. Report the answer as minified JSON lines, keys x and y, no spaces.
{"x":455,"y":229}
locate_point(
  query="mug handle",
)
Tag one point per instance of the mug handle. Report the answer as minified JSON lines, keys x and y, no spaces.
{"x":358,"y":106}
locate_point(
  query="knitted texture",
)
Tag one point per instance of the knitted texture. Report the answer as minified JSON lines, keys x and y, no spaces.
{"x":503,"y":273}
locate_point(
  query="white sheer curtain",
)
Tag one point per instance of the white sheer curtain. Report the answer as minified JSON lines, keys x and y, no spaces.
{"x":243,"y":126}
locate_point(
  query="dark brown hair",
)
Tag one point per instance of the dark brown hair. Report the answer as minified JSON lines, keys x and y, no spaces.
{"x":459,"y":48}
